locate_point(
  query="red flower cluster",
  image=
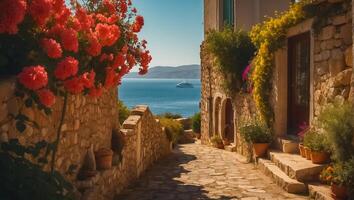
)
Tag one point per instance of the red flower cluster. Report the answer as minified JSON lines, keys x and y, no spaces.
{"x":40,"y":11}
{"x":139,"y":23}
{"x":52,"y":48}
{"x":103,"y":41}
{"x":12,"y":13}
{"x":46,"y":97}
{"x":66,"y":68}
{"x":34,"y":77}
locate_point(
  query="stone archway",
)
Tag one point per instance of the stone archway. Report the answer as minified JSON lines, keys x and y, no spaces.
{"x":216,"y":115}
{"x":227,"y":120}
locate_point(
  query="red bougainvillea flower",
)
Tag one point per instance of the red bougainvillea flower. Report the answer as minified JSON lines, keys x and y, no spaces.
{"x":33,"y":77}
{"x":110,"y":6}
{"x":12,"y":13}
{"x":74,"y":85}
{"x":123,"y":7}
{"x":52,"y":48}
{"x":94,"y":48}
{"x":113,"y":19}
{"x":40,"y":11}
{"x":131,"y":60}
{"x":96,"y":92}
{"x":106,"y":57}
{"x":119,"y":60}
{"x":86,"y":21}
{"x":66,"y":68}
{"x":145,"y":59}
{"x":88,"y":79}
{"x":138,"y":24}
{"x":62,"y":16}
{"x":107,"y":34}
{"x":46,"y":97}
{"x":69,"y":39}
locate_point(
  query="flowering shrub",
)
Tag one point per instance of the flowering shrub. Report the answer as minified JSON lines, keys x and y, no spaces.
{"x":83,"y":49}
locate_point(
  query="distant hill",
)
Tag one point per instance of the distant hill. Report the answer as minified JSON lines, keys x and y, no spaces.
{"x":167,"y":72}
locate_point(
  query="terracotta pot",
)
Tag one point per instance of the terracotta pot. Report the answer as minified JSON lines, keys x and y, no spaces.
{"x":260,"y":149}
{"x":339,"y":192}
{"x":104,"y":159}
{"x":319,"y":157}
{"x":302,"y":150}
{"x":308,"y":153}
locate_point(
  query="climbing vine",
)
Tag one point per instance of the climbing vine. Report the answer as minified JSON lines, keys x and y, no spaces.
{"x":269,"y":37}
{"x":233,"y":51}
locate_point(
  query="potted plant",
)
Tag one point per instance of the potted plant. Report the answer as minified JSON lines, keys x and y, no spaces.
{"x":259,"y":136}
{"x":319,"y":149}
{"x":308,"y":140}
{"x":304,"y":128}
{"x":341,"y":178}
{"x":217,"y":142}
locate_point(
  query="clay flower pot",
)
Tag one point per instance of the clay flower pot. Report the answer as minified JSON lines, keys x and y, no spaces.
{"x":308,"y":153}
{"x":260,"y":149}
{"x":318,"y":157}
{"x":104,"y":159}
{"x":339,"y":192}
{"x":219,"y":145}
{"x":302,"y":150}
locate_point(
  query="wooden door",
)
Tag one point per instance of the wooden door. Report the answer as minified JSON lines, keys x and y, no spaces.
{"x":298,"y":82}
{"x":229,"y":121}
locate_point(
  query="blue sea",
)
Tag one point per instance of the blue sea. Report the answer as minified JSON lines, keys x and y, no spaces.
{"x":161,"y":95}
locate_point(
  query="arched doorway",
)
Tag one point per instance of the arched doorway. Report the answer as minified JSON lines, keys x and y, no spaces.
{"x":229,"y":125}
{"x":217,"y":107}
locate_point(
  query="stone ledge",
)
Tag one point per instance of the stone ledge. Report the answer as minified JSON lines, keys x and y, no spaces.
{"x":140,"y":110}
{"x":295,"y":166}
{"x":280,"y":178}
{"x":131,"y":122}
{"x":127,"y":132}
{"x":320,"y":192}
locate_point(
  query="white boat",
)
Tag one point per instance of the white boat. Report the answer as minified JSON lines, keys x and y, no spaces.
{"x":184,"y":84}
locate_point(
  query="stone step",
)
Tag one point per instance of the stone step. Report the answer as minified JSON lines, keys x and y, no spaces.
{"x":231,"y":148}
{"x":295,"y":166}
{"x":320,"y":192}
{"x":280,"y":178}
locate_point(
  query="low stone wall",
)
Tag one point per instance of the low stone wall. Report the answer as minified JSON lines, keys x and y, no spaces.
{"x":88,"y":123}
{"x":144,"y":142}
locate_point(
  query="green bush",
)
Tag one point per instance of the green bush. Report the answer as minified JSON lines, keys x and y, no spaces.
{"x":316,"y":141}
{"x":123,"y":110}
{"x":196,"y":121}
{"x":173,"y":129}
{"x":233,"y":51}
{"x":169,"y":115}
{"x":256,"y":132}
{"x":337,"y":120}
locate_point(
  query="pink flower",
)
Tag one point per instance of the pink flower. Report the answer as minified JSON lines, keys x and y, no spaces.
{"x":246,"y":72}
{"x":33,"y":77}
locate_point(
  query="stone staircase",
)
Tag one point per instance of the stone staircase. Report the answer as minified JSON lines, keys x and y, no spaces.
{"x":294,"y":173}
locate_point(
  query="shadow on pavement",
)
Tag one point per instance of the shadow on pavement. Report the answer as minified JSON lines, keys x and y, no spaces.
{"x":158,"y":182}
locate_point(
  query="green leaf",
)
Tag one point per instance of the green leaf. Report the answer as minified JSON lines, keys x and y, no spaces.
{"x":20,"y":126}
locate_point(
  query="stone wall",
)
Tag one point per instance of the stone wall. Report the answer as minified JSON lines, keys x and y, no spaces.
{"x":333,"y":61}
{"x":213,"y":108}
{"x":144,"y":142}
{"x":88,"y":122}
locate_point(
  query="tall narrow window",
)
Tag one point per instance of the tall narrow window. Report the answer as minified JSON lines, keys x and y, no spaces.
{"x":228,"y":12}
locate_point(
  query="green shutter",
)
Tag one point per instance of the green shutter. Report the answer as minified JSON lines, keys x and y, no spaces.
{"x":228,"y":12}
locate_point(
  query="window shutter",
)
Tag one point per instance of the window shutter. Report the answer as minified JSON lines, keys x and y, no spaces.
{"x":228,"y":12}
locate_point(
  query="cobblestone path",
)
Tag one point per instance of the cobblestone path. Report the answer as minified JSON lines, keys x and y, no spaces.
{"x":196,"y":172}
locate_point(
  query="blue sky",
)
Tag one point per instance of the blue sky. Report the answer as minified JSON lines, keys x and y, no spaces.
{"x":174,"y":30}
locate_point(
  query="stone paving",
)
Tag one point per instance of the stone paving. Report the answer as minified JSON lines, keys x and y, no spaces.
{"x":196,"y":172}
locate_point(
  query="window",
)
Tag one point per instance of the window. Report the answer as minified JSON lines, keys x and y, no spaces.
{"x":228,"y":12}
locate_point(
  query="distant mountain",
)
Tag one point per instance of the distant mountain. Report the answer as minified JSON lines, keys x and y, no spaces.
{"x":167,"y":72}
